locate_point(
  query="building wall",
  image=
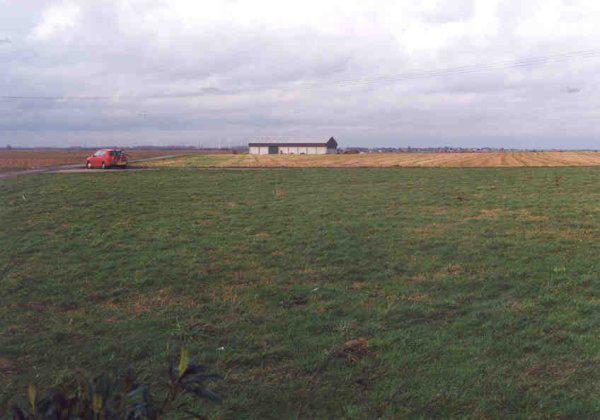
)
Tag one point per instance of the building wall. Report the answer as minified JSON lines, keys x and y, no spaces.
{"x":259,"y":150}
{"x":300,"y":150}
{"x":293,"y":150}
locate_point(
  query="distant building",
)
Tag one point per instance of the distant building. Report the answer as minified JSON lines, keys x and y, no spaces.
{"x":293,"y":148}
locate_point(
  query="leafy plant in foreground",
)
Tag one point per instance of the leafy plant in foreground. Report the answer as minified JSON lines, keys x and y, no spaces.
{"x":104,"y":397}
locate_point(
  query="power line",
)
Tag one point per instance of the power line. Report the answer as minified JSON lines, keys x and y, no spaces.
{"x":499,"y":65}
{"x":425,"y":74}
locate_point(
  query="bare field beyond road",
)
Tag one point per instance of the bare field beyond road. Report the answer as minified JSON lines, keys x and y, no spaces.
{"x":20,"y":160}
{"x":383,"y":160}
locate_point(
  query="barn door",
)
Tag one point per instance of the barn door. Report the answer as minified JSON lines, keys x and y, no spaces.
{"x":273,"y":150}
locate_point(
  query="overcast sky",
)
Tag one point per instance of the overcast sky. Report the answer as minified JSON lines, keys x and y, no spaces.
{"x":370,"y":73}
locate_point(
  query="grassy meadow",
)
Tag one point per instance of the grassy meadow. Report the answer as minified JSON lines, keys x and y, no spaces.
{"x":315,"y":292}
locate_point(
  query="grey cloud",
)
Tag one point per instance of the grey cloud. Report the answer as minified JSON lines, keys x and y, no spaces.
{"x":144,"y":75}
{"x":447,"y":12}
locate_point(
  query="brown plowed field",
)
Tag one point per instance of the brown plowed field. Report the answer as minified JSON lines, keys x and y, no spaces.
{"x":383,"y":160}
{"x":13,"y":160}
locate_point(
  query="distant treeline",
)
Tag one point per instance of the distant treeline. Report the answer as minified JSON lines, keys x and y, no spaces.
{"x":190,"y":148}
{"x":244,"y":149}
{"x":452,"y":150}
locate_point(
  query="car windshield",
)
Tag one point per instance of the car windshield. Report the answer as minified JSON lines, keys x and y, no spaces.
{"x":99,"y":153}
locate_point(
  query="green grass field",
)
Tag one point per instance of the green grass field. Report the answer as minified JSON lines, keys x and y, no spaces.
{"x":472,"y":292}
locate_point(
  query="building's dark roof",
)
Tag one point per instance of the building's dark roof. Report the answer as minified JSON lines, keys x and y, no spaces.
{"x":330,"y":144}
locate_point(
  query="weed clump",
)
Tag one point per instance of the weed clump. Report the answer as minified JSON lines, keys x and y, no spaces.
{"x":106,"y":397}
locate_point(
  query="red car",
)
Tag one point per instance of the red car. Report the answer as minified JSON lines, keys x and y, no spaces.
{"x":105,"y":158}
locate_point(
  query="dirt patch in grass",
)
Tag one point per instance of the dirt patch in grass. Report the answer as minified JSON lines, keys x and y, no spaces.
{"x":553,"y":235}
{"x":417,"y":298}
{"x":353,"y":350}
{"x":487,"y":214}
{"x":527,"y":216}
{"x":146,"y":303}
{"x":159,"y":300}
{"x":432,"y":230}
{"x":6,"y":366}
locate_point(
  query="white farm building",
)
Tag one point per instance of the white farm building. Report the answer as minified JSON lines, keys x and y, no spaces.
{"x":295,"y":148}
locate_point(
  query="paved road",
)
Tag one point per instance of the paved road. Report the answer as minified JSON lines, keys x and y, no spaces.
{"x":75,"y":168}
